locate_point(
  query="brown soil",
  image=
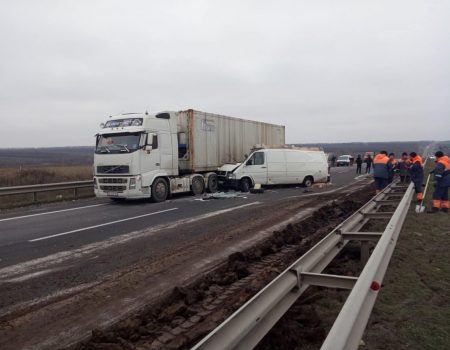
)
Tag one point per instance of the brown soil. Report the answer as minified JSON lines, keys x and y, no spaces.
{"x":186,"y":315}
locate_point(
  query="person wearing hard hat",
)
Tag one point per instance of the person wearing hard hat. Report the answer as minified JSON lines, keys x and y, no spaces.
{"x":442,"y":183}
{"x":416,"y":171}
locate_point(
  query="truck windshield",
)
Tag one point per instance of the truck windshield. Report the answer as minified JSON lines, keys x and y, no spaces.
{"x":118,"y":143}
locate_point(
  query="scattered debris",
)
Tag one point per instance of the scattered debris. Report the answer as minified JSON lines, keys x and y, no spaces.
{"x":222,"y":195}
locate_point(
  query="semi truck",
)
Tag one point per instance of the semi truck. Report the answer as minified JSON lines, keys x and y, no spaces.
{"x":153,"y":155}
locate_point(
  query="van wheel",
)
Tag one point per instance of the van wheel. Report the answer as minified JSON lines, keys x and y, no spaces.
{"x":245,"y":185}
{"x":308,"y":181}
{"x":213,"y":183}
{"x":198,"y":185}
{"x":160,"y":190}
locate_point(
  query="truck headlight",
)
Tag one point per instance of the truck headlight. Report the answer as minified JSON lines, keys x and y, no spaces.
{"x":132,"y":183}
{"x":231,"y":176}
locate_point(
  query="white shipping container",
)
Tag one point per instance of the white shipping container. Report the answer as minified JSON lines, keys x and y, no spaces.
{"x":207,"y":141}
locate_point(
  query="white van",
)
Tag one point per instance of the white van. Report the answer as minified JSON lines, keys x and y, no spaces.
{"x":276,"y":167}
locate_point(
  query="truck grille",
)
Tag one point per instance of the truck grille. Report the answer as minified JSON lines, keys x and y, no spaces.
{"x":113,"y":169}
{"x":112,"y":180}
{"x":111,"y":188}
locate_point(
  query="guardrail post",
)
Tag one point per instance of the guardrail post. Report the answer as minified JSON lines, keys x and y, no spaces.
{"x":75,"y":192}
{"x":34,"y":196}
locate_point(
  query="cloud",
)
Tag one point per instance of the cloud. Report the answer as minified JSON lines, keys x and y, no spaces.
{"x":329,"y":71}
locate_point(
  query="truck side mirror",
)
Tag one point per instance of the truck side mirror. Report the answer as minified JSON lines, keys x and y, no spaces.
{"x":148,"y":148}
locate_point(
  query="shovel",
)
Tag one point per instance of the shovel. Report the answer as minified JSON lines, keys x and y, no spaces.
{"x":420,"y":208}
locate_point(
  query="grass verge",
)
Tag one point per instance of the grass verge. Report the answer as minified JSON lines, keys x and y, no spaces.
{"x":413,"y":308}
{"x":32,"y":175}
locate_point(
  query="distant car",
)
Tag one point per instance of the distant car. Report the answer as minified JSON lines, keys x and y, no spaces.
{"x":345,"y":160}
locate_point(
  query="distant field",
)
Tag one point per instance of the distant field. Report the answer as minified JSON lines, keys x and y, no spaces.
{"x":32,"y":175}
{"x":46,"y":156}
{"x":355,"y":148}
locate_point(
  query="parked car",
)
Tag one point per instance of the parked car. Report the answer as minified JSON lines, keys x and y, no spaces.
{"x":345,"y":160}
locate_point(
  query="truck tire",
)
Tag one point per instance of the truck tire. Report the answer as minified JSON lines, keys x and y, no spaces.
{"x":308,"y":181}
{"x":213,"y":183}
{"x":245,"y":185}
{"x":198,"y":185}
{"x":160,"y":190}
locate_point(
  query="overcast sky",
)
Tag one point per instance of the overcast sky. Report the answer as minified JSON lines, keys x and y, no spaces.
{"x":331,"y":71}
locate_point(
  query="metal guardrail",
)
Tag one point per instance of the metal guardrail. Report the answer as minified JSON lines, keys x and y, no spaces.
{"x":351,"y":322}
{"x":250,"y":323}
{"x":35,"y":189}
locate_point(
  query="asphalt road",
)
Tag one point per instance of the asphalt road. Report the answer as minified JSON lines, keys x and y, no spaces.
{"x":37,"y":232}
{"x":86,"y":263}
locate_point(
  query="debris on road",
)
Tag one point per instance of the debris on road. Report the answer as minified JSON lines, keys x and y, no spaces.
{"x":222,"y":195}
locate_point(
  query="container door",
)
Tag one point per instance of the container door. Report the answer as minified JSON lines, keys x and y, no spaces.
{"x":256,"y":167}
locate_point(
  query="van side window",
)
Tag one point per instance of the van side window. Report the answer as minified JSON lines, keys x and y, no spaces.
{"x":256,"y":159}
{"x":155,"y":142}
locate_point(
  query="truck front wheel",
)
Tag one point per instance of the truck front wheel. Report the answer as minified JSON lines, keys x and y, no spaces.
{"x":160,"y":190}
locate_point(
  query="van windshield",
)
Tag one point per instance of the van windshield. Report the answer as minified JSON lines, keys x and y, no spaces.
{"x":118,"y":143}
{"x":257,"y":158}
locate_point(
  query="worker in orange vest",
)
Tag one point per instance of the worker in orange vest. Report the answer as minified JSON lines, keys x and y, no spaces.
{"x":381,"y":170}
{"x":416,"y":171}
{"x":442,"y":183}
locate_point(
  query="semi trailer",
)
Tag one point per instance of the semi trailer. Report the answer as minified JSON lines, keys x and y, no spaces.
{"x":153,"y":155}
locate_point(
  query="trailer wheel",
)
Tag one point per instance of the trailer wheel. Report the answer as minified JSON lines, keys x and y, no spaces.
{"x":308,"y":181}
{"x":245,"y":185}
{"x":160,"y":190}
{"x":213,"y":183}
{"x":198,"y":185}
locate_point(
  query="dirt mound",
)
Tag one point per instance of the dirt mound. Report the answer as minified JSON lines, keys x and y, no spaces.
{"x":186,"y":315}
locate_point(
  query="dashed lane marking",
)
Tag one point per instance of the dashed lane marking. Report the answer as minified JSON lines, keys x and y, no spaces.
{"x":101,"y":225}
{"x":52,"y":212}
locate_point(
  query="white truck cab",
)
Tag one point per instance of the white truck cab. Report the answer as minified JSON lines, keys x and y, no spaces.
{"x":133,"y":150}
{"x":276,"y":167}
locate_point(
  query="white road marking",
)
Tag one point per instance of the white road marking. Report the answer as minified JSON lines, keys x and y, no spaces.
{"x":60,"y":257}
{"x":30,"y":276}
{"x":52,"y":212}
{"x":100,"y":225}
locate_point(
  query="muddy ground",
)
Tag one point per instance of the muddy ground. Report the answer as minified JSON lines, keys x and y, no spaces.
{"x":191,"y":311}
